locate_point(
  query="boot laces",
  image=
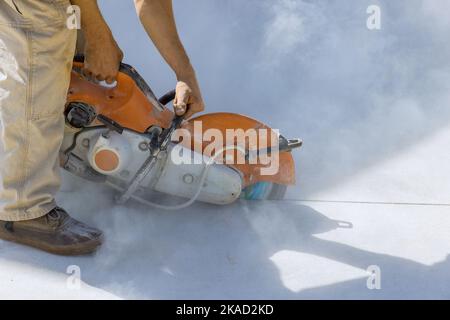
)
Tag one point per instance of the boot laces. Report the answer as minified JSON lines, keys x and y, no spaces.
{"x":55,"y":217}
{"x":54,"y":214}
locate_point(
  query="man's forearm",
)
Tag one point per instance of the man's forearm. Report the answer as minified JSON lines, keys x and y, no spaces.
{"x":158,"y":20}
{"x":91,"y":17}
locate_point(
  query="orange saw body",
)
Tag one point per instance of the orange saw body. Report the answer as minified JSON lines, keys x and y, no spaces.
{"x":121,"y":135}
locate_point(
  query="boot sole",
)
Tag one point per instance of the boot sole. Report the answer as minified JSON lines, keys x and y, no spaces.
{"x":88,"y":247}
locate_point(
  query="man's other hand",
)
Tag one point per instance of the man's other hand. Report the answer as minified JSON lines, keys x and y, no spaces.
{"x":102,"y":57}
{"x":188,"y":98}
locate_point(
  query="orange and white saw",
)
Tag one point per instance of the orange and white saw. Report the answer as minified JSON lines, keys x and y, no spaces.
{"x":125,"y":137}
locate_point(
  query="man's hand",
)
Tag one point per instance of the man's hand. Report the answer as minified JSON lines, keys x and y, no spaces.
{"x":102,"y":57}
{"x":188,"y":98}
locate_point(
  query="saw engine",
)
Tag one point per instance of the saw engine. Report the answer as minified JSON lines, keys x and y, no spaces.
{"x":123,"y":158}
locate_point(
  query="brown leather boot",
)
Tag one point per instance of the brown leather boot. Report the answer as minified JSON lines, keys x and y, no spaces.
{"x":55,"y":232}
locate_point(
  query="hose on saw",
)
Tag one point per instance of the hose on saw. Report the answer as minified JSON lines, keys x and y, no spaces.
{"x":203,"y":176}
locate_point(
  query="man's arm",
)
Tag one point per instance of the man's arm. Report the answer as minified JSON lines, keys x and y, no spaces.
{"x":102,"y":54}
{"x":158,"y":20}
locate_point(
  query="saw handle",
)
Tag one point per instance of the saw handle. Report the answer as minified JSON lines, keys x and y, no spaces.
{"x":168,"y":97}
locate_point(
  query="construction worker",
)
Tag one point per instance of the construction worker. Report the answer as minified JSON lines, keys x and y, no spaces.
{"x":36,"y":53}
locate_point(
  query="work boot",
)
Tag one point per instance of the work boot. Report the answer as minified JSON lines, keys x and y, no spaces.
{"x":55,"y":232}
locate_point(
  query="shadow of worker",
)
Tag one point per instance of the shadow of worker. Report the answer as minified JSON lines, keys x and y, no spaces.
{"x":401,"y":277}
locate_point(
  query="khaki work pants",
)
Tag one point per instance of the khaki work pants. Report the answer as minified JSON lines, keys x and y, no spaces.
{"x":36,"y":52}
